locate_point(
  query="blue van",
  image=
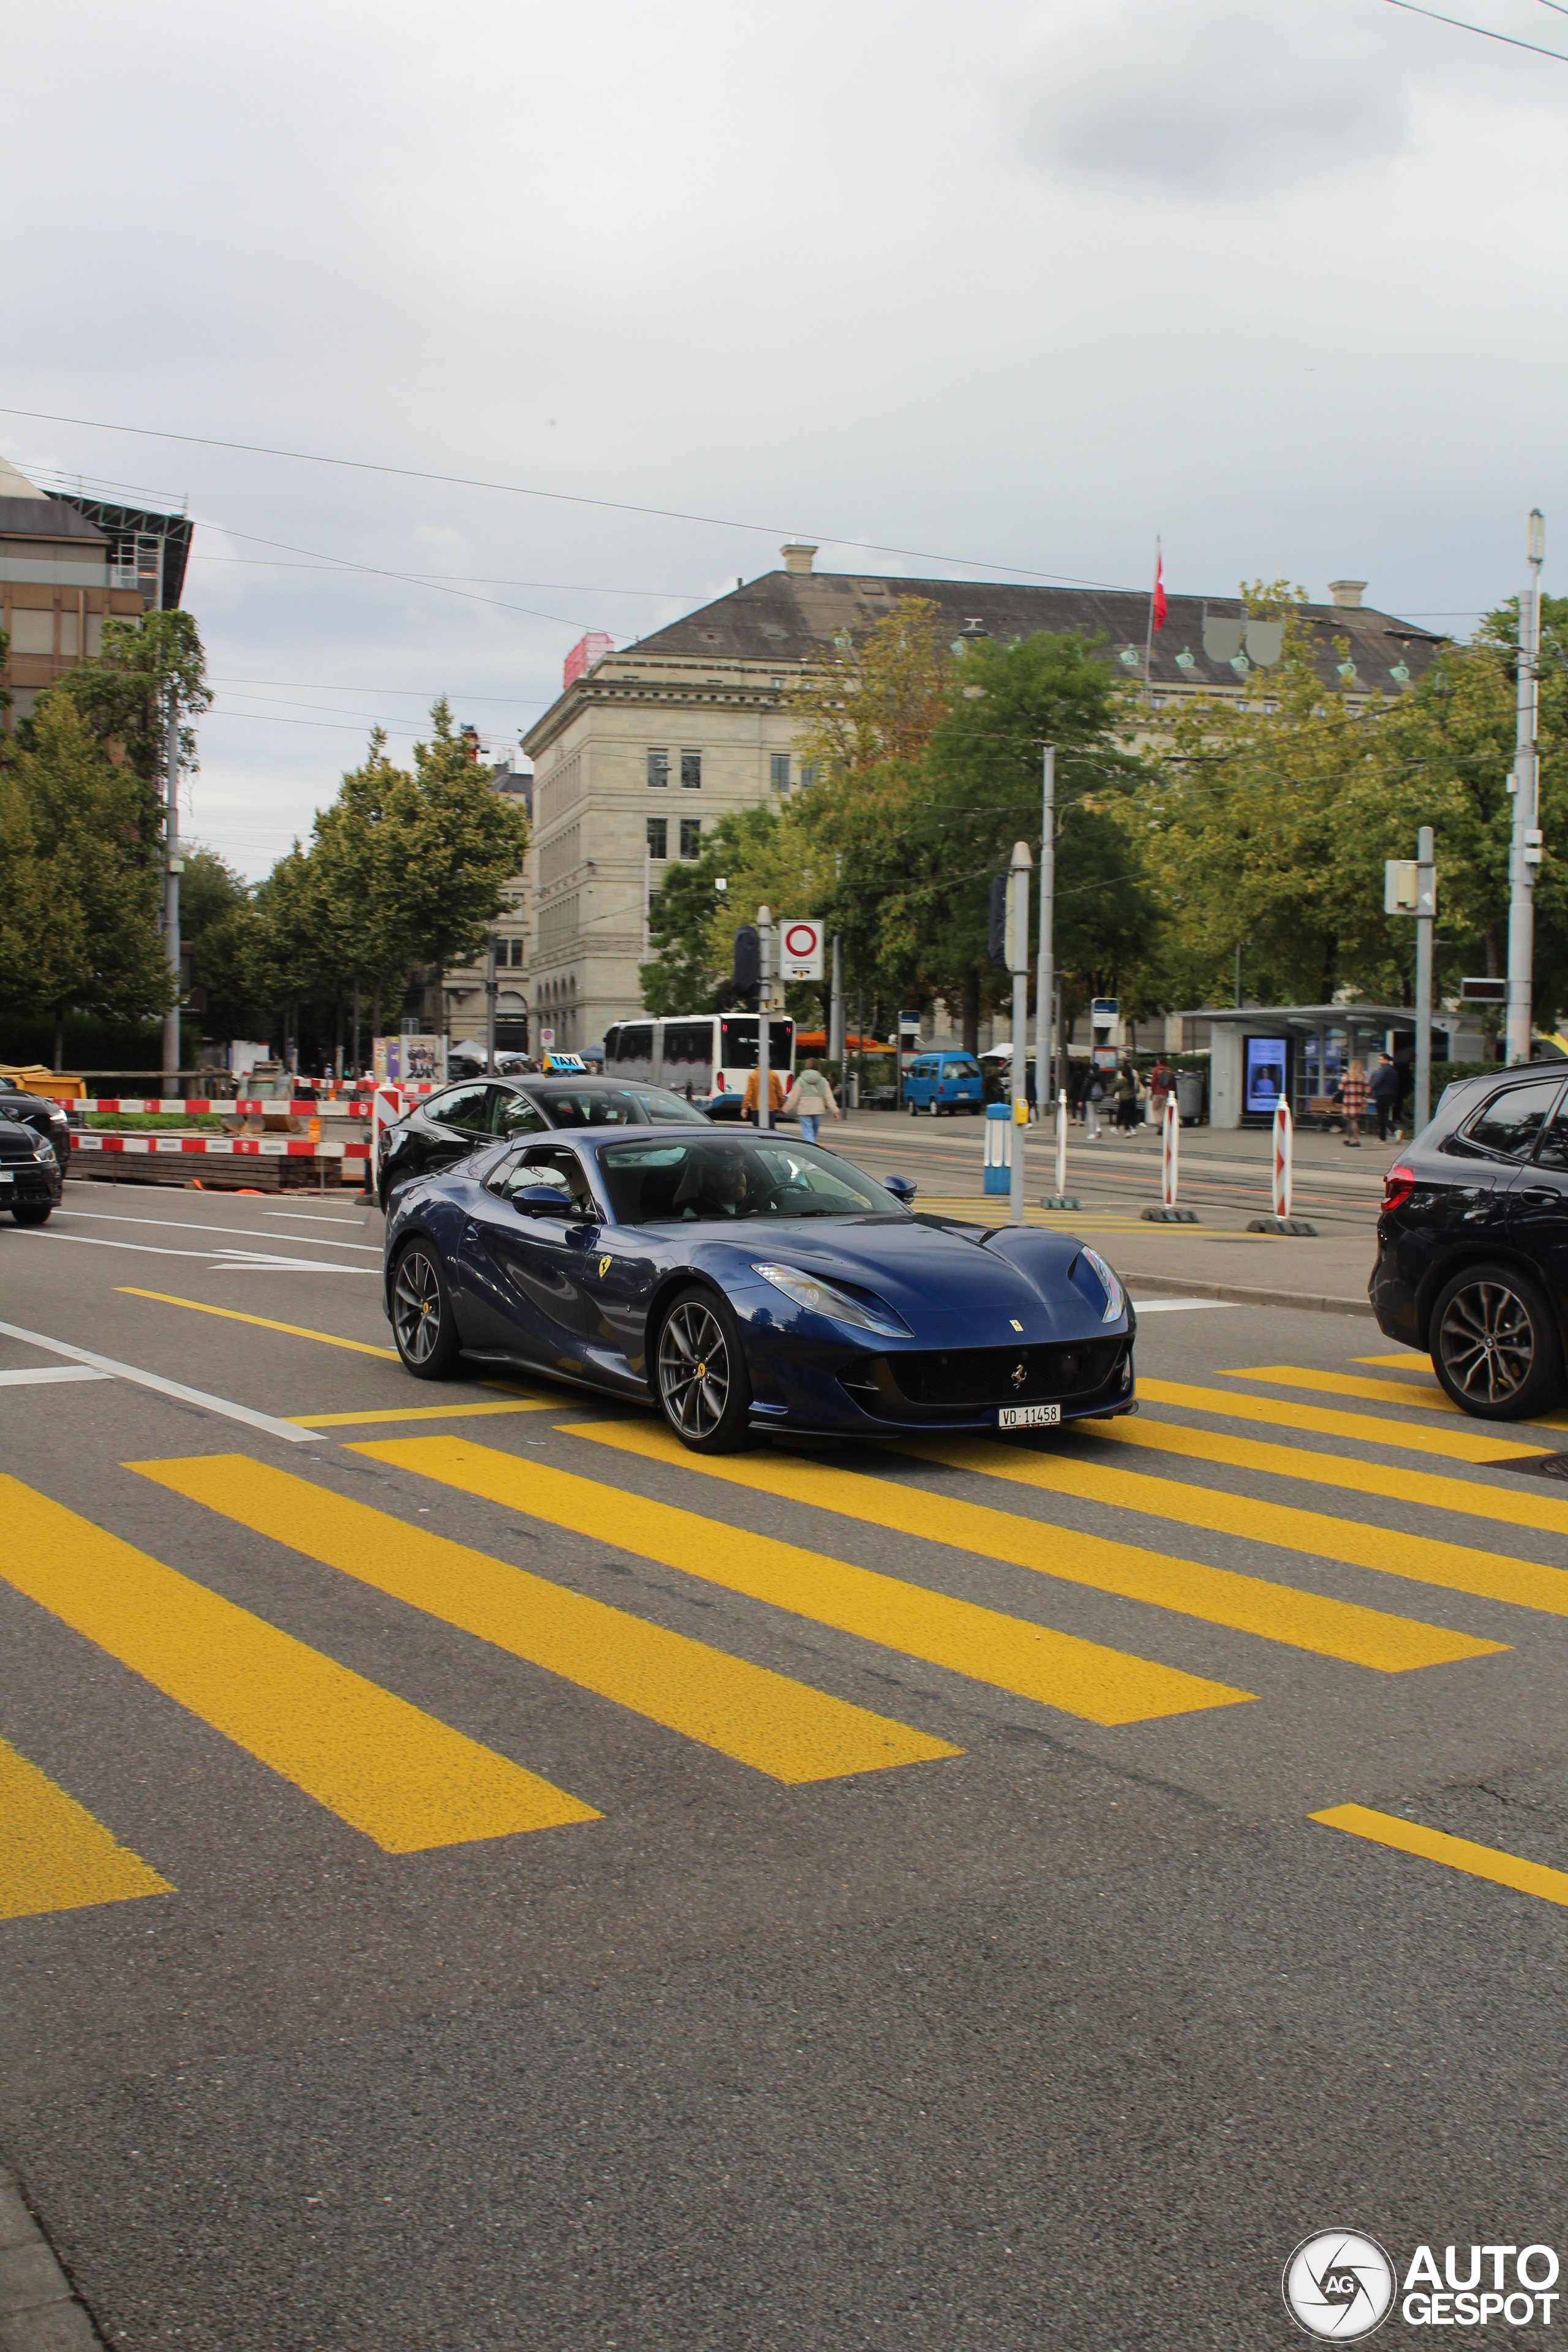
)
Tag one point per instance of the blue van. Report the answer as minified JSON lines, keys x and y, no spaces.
{"x":945,"y":1082}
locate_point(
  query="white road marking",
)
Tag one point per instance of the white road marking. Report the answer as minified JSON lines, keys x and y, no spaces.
{"x":43,"y":1377}
{"x":247,"y":1233}
{"x":1176,"y":1306}
{"x":298,"y":1217}
{"x":176,"y":1389}
{"x":220,"y":1260}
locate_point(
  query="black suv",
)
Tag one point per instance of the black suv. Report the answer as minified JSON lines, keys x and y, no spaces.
{"x":32,"y":1110}
{"x":1472,"y":1242}
{"x":445,"y":1127}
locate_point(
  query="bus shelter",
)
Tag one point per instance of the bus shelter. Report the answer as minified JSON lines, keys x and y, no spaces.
{"x":1258,"y":1052}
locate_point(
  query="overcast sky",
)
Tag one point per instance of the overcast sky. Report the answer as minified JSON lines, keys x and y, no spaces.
{"x":1011,"y":285}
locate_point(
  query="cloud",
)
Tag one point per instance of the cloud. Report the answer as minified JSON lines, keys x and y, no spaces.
{"x":1213,"y":98}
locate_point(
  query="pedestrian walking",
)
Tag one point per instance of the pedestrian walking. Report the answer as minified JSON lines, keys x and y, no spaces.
{"x":1352,"y":1102}
{"x":811,"y":1099}
{"x":753,"y":1094}
{"x":1093,"y":1096}
{"x":1162,"y":1078}
{"x":1383,"y":1088}
{"x":1127,"y":1097}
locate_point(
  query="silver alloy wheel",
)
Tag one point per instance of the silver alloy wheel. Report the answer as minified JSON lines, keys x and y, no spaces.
{"x":417,"y":1307}
{"x":1488,"y":1342}
{"x":693,"y":1369}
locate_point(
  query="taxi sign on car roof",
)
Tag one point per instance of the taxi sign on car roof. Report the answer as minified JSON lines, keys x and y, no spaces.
{"x":552,"y":1062}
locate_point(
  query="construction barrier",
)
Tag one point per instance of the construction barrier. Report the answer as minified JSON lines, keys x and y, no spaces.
{"x":219,"y":1147}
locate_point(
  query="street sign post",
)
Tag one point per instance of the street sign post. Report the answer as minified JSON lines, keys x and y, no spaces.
{"x":800,"y":948}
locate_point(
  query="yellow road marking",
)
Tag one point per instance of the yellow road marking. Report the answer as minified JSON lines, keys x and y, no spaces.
{"x":1458,"y":1853}
{"x":1059,"y":1670}
{"x":262,"y":1322}
{"x":1517,"y":1505}
{"x":1425,"y":1396}
{"x":421,"y":1413}
{"x":1407,"y":1359}
{"x":763,"y":1719}
{"x":1462,"y":1445}
{"x":54,"y":1857}
{"x":1423,"y":1559}
{"x":1248,"y":1604}
{"x":380,"y":1764}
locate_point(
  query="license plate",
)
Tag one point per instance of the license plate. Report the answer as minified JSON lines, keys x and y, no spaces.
{"x":1028,"y":1416}
{"x":6,"y":1177}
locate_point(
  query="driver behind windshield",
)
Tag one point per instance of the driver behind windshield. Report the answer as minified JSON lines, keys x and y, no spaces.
{"x":718,"y":1183}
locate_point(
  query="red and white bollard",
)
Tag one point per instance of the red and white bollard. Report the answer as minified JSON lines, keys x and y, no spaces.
{"x":1170,"y":1152}
{"x":1283,"y":1143}
{"x":1061,"y":1198}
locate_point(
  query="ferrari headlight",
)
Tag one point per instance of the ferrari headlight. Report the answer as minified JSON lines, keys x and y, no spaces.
{"x":1115,"y":1296}
{"x":826,"y":1298}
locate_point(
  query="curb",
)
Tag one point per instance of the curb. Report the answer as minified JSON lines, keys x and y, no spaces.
{"x":1237,"y":1293}
{"x":39,"y":2313}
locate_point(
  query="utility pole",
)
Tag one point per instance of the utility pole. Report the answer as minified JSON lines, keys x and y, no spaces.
{"x":1018,"y":957}
{"x":1525,"y":850}
{"x":1045,"y":977}
{"x":173,"y":866}
{"x":836,"y":1008}
{"x":492,"y":990}
{"x":1425,"y":918}
{"x":764,"y":1021}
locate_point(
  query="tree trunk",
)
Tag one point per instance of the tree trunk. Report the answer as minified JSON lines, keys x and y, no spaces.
{"x":972,"y":1010}
{"x":60,"y":1036}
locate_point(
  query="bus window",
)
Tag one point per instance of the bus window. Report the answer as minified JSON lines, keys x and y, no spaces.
{"x":631,"y":1042}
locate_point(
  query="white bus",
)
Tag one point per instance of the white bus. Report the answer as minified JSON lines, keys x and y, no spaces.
{"x":698,"y":1054}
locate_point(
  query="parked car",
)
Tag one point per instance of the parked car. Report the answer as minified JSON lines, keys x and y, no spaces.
{"x":44,"y":1117}
{"x":448,"y":1125}
{"x":945,"y":1082}
{"x":1472,"y":1243}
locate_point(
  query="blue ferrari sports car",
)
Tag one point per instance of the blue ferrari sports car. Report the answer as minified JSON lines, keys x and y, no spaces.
{"x":746,"y":1283}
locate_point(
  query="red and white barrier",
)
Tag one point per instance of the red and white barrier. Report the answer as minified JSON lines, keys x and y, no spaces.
{"x":1170,"y":1152}
{"x":223,"y":1147}
{"x":1284,"y":1142}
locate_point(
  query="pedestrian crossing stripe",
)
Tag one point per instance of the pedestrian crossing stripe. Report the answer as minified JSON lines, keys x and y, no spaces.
{"x":396,"y":1774}
{"x":1249,"y":1604}
{"x":766,"y":1720}
{"x":1422,"y":1397}
{"x":1059,"y":1670}
{"x":1489,"y":1862}
{"x":54,"y":1857}
{"x":1464,"y":1443}
{"x":1389,"y":1482}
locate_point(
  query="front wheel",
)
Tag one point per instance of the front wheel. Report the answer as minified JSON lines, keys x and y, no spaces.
{"x":935,"y":1108}
{"x":1494,"y":1345}
{"x":33,"y":1212}
{"x":422,"y":1321}
{"x":699,"y":1373}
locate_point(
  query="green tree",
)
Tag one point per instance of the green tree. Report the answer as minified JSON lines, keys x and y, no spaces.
{"x":122,"y":695}
{"x":466,"y":842}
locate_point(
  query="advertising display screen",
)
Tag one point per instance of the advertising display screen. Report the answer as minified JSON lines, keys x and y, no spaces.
{"x":1265,"y":1073}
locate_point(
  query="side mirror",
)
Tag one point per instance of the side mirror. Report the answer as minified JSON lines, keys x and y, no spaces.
{"x":542,"y":1201}
{"x":900,"y":1188}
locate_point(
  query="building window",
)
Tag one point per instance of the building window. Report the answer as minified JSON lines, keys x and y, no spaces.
{"x":691,"y":836}
{"x":778,"y":771}
{"x":517,"y":953}
{"x":807,"y":774}
{"x":691,"y":771}
{"x":659,"y":767}
{"x":657,"y":836}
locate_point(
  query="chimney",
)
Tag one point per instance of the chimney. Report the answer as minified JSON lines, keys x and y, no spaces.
{"x":797,"y":555}
{"x":1347,"y":593}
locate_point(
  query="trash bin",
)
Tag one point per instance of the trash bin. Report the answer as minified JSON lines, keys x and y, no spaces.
{"x":1190,"y":1096}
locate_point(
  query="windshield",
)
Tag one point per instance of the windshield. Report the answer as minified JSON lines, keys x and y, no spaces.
{"x":670,"y":1184}
{"x":606,"y":1106}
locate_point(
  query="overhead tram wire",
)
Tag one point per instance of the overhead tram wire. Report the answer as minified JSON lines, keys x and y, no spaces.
{"x":1508,"y":41}
{"x":560,"y":498}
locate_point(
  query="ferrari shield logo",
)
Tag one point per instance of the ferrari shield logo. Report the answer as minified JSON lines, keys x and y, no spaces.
{"x":604,"y":1268}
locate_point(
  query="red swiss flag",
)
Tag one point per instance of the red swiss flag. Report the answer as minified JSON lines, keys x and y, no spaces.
{"x":1159,"y":603}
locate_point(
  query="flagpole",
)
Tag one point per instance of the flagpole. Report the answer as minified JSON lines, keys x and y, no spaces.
{"x":1149,"y":633}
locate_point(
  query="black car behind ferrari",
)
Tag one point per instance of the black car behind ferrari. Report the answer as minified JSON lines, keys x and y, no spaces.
{"x":1472,"y":1243}
{"x":447,"y":1127}
{"x":30,"y":1178}
{"x":43,"y":1117}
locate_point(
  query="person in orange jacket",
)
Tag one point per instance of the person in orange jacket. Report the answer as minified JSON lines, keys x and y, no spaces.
{"x":753,"y":1094}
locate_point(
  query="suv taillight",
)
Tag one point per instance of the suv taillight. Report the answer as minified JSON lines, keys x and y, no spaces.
{"x":1397,"y":1186}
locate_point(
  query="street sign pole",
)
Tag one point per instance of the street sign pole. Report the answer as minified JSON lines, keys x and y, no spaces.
{"x":1044,"y":983}
{"x":1018,"y":957}
{"x":1525,"y":847}
{"x":765,"y":1021}
{"x":1425,"y":917}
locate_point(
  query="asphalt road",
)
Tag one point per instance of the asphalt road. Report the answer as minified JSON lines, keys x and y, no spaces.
{"x":477,"y":1879}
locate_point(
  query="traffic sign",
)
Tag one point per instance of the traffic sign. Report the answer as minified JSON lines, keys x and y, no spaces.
{"x":800,"y":948}
{"x":1104,"y":1010}
{"x":547,"y":1038}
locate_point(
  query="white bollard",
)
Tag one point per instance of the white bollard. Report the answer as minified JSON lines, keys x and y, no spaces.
{"x":1170,"y":1150}
{"x":1061,"y":1198}
{"x":1282,"y":1156}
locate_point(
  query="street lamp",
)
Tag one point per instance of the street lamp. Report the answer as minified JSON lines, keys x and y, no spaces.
{"x":1525,"y":854}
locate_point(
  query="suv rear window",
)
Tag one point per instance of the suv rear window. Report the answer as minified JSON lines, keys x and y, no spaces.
{"x":1508,"y":1123}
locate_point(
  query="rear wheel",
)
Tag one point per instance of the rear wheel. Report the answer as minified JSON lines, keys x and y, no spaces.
{"x":935,"y":1108}
{"x":33,"y":1212}
{"x":1494,"y":1344}
{"x":422,"y":1319}
{"x":699,"y":1373}
{"x":913,"y":1108}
